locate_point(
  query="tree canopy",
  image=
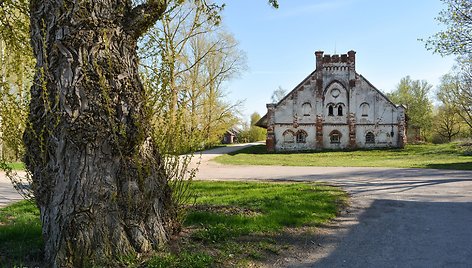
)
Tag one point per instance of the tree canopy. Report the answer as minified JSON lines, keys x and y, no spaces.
{"x":414,"y":94}
{"x":457,"y":37}
{"x":455,"y":89}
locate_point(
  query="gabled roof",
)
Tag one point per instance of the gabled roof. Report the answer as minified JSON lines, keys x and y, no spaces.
{"x":380,"y":92}
{"x":297,"y":87}
{"x":233,"y":131}
{"x":263,"y":123}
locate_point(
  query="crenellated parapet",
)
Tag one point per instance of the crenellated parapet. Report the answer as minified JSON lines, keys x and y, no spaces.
{"x":326,"y":63}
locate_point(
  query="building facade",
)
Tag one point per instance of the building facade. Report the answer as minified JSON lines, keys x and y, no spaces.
{"x":334,"y":108}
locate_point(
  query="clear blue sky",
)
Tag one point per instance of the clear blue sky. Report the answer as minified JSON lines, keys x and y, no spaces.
{"x":280,"y":43}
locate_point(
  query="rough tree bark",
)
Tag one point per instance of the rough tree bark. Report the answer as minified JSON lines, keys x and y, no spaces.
{"x":97,"y":177}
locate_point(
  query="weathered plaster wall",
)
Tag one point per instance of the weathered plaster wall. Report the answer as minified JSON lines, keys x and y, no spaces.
{"x":281,"y":145}
{"x":336,"y":100}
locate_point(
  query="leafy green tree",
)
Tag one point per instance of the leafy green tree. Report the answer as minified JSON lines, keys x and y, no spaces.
{"x":447,"y":123}
{"x":16,"y":71}
{"x":253,"y":133}
{"x":189,"y":57}
{"x":455,"y":89}
{"x":97,"y":173}
{"x":457,"y":37}
{"x":414,"y":94}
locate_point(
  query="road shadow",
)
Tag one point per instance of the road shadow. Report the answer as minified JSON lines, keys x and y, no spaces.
{"x":392,"y":233}
{"x":397,"y":181}
{"x":230,"y":149}
{"x":461,"y":166}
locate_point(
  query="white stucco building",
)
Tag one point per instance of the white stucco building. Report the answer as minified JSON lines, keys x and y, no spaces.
{"x":334,"y":108}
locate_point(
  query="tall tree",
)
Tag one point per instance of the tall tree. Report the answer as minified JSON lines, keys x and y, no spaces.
{"x":189,"y":57}
{"x":252,"y":132}
{"x":98,"y":179}
{"x":457,"y":37}
{"x":447,"y":122}
{"x":414,"y":94}
{"x":455,"y":89}
{"x":16,"y":70}
{"x":97,"y":176}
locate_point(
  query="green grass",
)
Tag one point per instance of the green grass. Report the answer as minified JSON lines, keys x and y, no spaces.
{"x":231,"y":224}
{"x":20,"y":234}
{"x":244,"y":207}
{"x":17,"y":165}
{"x":12,"y":165}
{"x":443,"y":156}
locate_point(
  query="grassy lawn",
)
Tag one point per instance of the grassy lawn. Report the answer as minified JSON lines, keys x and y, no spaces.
{"x":17,"y":165}
{"x":230,"y":224}
{"x":20,"y":235}
{"x":442,"y":156}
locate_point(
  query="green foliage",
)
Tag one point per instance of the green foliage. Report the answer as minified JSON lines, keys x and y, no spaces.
{"x":16,"y":76}
{"x":455,"y":90}
{"x":414,"y":95}
{"x":252,"y":133}
{"x":457,"y":37}
{"x":16,"y":72}
{"x":447,"y":124}
{"x":14,"y":25}
{"x":444,"y":156}
{"x":187,"y":58}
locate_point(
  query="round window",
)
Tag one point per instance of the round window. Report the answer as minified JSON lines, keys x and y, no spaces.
{"x":335,"y":92}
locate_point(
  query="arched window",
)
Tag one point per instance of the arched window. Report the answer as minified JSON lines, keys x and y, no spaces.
{"x":306,"y":109}
{"x":335,"y":136}
{"x":340,"y":110}
{"x":288,"y":136}
{"x":330,"y":110}
{"x":301,"y":136}
{"x":369,"y":138}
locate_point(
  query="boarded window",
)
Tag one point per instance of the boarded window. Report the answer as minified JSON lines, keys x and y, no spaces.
{"x":369,"y":138}
{"x":382,"y":137}
{"x":288,"y":136}
{"x":306,"y":109}
{"x":301,"y":136}
{"x":335,"y":136}
{"x":364,"y":109}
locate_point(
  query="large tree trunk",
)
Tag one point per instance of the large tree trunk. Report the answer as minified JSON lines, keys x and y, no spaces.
{"x":97,"y":177}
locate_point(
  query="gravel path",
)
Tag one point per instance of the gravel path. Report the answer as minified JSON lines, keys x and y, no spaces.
{"x":7,"y":193}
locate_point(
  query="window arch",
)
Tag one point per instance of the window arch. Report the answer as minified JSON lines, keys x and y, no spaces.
{"x":335,"y":136}
{"x":301,"y":136}
{"x":369,"y":138}
{"x":340,"y":110}
{"x":330,"y":110}
{"x":288,"y":136}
